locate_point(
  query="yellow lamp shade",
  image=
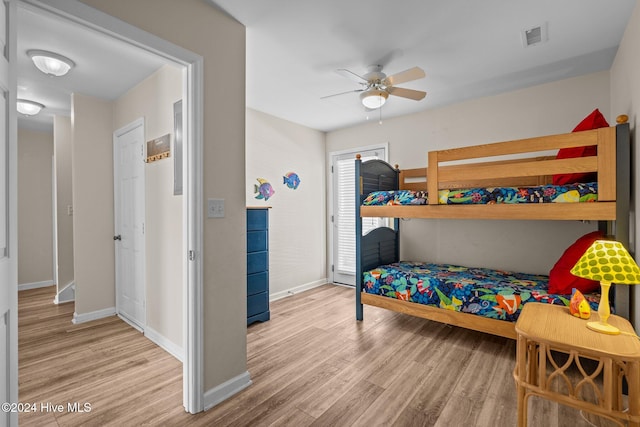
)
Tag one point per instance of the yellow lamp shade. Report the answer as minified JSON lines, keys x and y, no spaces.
{"x":607,"y":261}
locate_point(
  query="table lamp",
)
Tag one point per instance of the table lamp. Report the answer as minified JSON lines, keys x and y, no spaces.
{"x":606,"y":261}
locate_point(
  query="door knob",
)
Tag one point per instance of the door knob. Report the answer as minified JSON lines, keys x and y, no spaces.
{"x":118,"y":237}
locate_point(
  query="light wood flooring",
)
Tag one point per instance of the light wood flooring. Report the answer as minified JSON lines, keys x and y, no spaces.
{"x":311,"y":364}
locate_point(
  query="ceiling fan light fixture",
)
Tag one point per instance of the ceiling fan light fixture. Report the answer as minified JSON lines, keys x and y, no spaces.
{"x":28,"y":108}
{"x":50,"y":63}
{"x":374,"y":98}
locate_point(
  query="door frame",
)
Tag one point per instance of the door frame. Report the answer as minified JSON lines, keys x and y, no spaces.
{"x":10,"y":256}
{"x":192,"y":109}
{"x":117,"y":197}
{"x":330,"y":205}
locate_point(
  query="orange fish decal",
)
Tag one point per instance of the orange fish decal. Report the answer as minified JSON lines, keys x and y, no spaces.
{"x":578,"y":306}
{"x":509,"y":303}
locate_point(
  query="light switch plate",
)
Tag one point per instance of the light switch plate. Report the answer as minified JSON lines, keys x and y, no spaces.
{"x":215,"y":208}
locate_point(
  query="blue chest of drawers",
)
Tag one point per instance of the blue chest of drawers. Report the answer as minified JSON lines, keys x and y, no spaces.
{"x":257,"y":265}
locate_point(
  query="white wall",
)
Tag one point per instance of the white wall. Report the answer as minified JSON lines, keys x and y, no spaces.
{"x":35,"y":208}
{"x":296,"y":221}
{"x":64,"y":199}
{"x":528,"y":246}
{"x":93,"y":226}
{"x":153,"y":99}
{"x":625,"y":99}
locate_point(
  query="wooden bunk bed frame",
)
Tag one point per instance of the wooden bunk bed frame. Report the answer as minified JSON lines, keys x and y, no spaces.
{"x":381,"y":246}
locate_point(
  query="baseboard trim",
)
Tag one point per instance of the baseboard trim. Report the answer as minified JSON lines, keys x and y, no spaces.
{"x":297,"y":289}
{"x":35,"y":285}
{"x":225,"y":390}
{"x":94,"y":315}
{"x":163,"y":342}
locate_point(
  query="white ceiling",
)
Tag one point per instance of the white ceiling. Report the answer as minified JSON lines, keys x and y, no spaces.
{"x":105,"y":67}
{"x":468,"y":49}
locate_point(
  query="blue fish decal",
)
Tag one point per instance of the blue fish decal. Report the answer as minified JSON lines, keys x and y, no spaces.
{"x":264,"y":190}
{"x":292,"y":180}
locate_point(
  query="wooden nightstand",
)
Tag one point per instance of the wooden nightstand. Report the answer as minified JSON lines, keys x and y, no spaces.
{"x":551,"y":356}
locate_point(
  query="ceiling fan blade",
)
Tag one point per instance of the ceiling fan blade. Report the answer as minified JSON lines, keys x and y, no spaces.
{"x":414,"y":73}
{"x":416,"y":95}
{"x":342,"y":93}
{"x":352,"y":76}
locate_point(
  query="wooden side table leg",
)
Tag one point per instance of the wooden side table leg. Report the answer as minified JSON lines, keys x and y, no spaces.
{"x":633,"y":380}
{"x":523,"y":376}
{"x":522,"y":406}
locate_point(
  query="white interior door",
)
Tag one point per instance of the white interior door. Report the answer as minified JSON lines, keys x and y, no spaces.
{"x":344,"y":212}
{"x":8,"y":224}
{"x":129,"y":194}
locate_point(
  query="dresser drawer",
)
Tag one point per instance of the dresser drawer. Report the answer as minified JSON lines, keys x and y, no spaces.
{"x":257,"y":219}
{"x":257,"y":265}
{"x":258,"y":282}
{"x":257,"y":262}
{"x":257,"y":303}
{"x":257,"y":241}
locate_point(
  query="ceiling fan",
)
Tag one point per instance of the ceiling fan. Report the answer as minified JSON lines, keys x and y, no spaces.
{"x":376,"y":86}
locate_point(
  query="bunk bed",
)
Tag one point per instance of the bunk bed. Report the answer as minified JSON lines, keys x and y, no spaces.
{"x":515,"y":188}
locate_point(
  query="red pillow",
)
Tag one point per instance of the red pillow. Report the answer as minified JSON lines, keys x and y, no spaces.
{"x":594,"y":120}
{"x":561,"y":281}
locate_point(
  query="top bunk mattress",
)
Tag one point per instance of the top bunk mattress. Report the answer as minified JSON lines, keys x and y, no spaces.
{"x":485,"y":292}
{"x":572,"y":193}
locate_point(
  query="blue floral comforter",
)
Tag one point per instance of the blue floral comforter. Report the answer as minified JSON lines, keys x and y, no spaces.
{"x":573,"y":193}
{"x":490,"y":293}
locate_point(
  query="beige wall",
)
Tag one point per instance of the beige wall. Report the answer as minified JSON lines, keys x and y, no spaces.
{"x":220,"y":40}
{"x":92,"y":172}
{"x":35,"y":227}
{"x":625,"y":99}
{"x":296,"y":220}
{"x":153,"y":99}
{"x":528,"y":246}
{"x":64,"y":199}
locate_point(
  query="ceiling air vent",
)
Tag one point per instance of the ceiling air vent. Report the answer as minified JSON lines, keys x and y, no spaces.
{"x":535,"y":35}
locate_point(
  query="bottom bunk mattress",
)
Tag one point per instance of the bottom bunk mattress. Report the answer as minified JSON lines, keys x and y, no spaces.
{"x":485,"y":292}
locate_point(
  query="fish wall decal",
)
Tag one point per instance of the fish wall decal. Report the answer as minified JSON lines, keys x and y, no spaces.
{"x":264,"y":190}
{"x":292,"y":180}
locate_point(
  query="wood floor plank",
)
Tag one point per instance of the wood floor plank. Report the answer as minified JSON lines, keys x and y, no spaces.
{"x":469,"y":395}
{"x":391,"y":403}
{"x":428,"y":405}
{"x":351,"y":405}
{"x":284,"y":399}
{"x":311,"y":364}
{"x":369,"y":360}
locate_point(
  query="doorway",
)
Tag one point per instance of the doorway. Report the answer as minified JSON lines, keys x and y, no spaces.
{"x":79,"y":14}
{"x":343,"y":215}
{"x":8,"y":222}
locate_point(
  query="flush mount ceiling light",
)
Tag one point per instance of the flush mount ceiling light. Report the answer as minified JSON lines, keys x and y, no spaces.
{"x":50,"y":63}
{"x":28,"y":108}
{"x":374,"y":98}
